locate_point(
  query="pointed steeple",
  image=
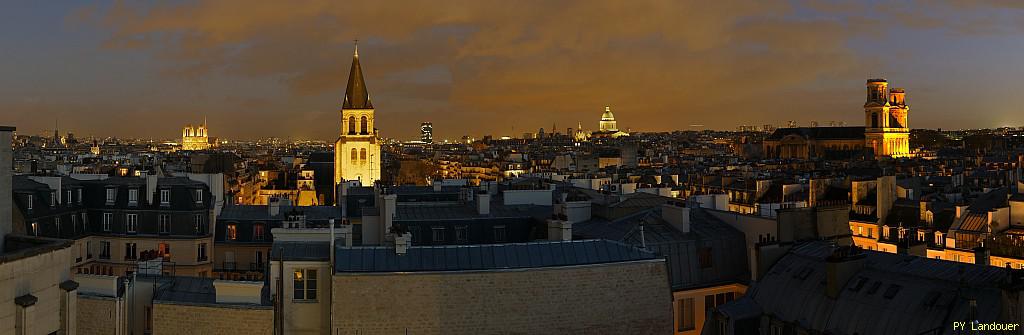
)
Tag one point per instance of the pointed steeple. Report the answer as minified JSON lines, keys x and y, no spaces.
{"x":356,"y":96}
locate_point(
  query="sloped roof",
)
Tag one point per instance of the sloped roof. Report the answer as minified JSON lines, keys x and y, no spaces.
{"x":485,"y":256}
{"x":356,"y":95}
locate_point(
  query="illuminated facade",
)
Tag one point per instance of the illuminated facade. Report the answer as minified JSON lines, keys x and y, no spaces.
{"x":195,"y":138}
{"x":885,"y":120}
{"x":357,"y":151}
{"x":608,"y":126}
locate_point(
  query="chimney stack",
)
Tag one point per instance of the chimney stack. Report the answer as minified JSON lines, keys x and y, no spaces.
{"x":483,"y":203}
{"x":559,"y":229}
{"x":274,"y":206}
{"x":402,"y":243}
{"x":676,"y":215}
{"x":960,"y":210}
{"x":6,"y":183}
{"x":982,"y":256}
{"x":840,"y":267}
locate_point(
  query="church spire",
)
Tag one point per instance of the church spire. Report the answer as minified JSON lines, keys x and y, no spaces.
{"x":356,"y":96}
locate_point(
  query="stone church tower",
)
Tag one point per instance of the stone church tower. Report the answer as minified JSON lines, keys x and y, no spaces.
{"x":357,"y":151}
{"x":886,"y":130}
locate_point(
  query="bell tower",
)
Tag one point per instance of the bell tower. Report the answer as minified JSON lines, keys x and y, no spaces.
{"x":886,"y":130}
{"x":357,"y":151}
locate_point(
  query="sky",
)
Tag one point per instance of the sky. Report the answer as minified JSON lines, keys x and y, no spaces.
{"x":256,"y":69}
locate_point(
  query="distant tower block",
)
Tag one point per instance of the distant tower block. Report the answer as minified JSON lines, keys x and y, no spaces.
{"x":427,"y":132}
{"x":886,"y":130}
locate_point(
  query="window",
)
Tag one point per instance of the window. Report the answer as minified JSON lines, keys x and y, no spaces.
{"x":198,"y":224}
{"x":28,"y":202}
{"x":305,"y":284}
{"x":860,"y":230}
{"x":111,"y":195}
{"x":352,"y":125}
{"x":499,"y":234}
{"x":257,"y":232}
{"x":355,"y":154}
{"x":104,"y":249}
{"x":165,"y":223}
{"x":415,"y":231}
{"x":74,"y":223}
{"x":108,"y":218}
{"x":67,"y":200}
{"x":131,"y":222}
{"x":164,"y":250}
{"x":53,"y":199}
{"x":165,"y":197}
{"x":201,"y":253}
{"x":231,"y":232}
{"x":130,"y":251}
{"x":133,"y":196}
{"x":437,"y":234}
{"x":685,"y":320}
{"x":56,"y":224}
{"x":462,"y":234}
{"x":199,"y":196}
{"x":78,"y":196}
{"x":362,"y":126}
{"x":35,"y":228}
{"x":362,"y":154}
{"x":704,"y":255}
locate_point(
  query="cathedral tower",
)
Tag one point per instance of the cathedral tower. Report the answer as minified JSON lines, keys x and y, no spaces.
{"x":886,"y":130}
{"x":357,"y":151}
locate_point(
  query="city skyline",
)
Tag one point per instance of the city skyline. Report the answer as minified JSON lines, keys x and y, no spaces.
{"x":280,"y":72}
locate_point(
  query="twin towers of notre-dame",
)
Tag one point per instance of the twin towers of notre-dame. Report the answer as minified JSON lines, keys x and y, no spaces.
{"x":357,"y":151}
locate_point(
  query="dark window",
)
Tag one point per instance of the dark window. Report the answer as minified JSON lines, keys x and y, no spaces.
{"x":685,"y":321}
{"x":874,"y":120}
{"x":130,"y":251}
{"x":499,"y":234}
{"x":438,"y":234}
{"x":462,"y":234}
{"x":304,"y":284}
{"x":351,"y":125}
{"x":709,"y":302}
{"x":705,"y":257}
{"x":362,"y":126}
{"x":257,"y":232}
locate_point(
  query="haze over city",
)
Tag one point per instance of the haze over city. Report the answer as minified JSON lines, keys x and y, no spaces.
{"x":262,"y":69}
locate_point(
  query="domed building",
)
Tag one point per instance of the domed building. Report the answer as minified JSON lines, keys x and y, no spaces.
{"x":607,"y":127}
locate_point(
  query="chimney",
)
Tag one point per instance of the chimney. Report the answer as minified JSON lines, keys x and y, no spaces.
{"x":840,"y":267}
{"x":437,"y":185}
{"x":982,"y":255}
{"x":274,"y":206}
{"x":960,"y":210}
{"x":390,"y":206}
{"x":676,"y":215}
{"x":559,"y":229}
{"x":151,"y":180}
{"x":345,"y":230}
{"x":402,"y":243}
{"x":483,"y":203}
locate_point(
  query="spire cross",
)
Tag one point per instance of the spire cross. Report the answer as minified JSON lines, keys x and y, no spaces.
{"x":356,"y":42}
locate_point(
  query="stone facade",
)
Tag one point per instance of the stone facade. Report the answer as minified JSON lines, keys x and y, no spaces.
{"x":616,"y":298}
{"x":180,"y":319}
{"x":97,"y":315}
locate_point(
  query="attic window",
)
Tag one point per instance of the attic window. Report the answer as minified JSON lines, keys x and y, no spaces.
{"x":858,"y":284}
{"x":874,"y":287}
{"x":891,"y":291}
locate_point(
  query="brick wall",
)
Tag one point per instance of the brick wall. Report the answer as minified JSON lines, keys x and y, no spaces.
{"x":96,"y":315}
{"x":178,"y":319}
{"x":620,"y":298}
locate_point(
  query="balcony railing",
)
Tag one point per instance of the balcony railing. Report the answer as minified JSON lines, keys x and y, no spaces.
{"x":230,"y":266}
{"x":202,"y":258}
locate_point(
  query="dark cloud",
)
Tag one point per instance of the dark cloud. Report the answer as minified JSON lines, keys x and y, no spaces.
{"x":661,"y":64}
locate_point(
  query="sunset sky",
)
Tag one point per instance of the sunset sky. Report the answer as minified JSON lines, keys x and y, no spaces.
{"x":274,"y":68}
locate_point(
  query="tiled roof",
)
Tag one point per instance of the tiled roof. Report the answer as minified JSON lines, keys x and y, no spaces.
{"x":820,"y":133}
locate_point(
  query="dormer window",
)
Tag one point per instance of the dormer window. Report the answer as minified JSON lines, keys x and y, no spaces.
{"x":133,"y":196}
{"x":111,"y":195}
{"x":68,"y":200}
{"x":165,"y":197}
{"x":28,"y":202}
{"x":78,"y":194}
{"x":199,"y":196}
{"x":53,"y":199}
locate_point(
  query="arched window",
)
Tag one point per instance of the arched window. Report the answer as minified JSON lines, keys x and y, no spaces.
{"x":362,"y":126}
{"x":352,"y":125}
{"x":362,"y":154}
{"x":874,"y":120}
{"x":354,"y":155}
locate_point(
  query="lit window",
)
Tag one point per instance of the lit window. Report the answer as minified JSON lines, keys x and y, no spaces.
{"x":164,"y":250}
{"x":35,"y":228}
{"x":232,"y":232}
{"x":257,"y":232}
{"x":305,"y":284}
